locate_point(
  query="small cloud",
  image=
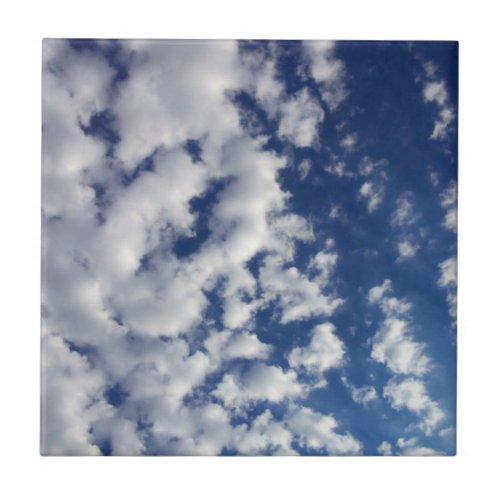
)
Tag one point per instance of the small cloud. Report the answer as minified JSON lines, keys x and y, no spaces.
{"x":406,"y":250}
{"x":373,"y":194}
{"x":349,"y":141}
{"x":449,"y":203}
{"x":325,"y":351}
{"x":362,"y":395}
{"x":367,"y":166}
{"x":436,"y":93}
{"x":304,"y":168}
{"x":411,"y":394}
{"x":334,"y":212}
{"x":385,"y":448}
{"x":339,"y":169}
{"x":404,"y":215}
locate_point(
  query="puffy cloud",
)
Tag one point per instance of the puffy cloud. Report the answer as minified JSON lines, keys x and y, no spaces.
{"x":304,"y":168}
{"x":264,"y":84}
{"x":448,"y":270}
{"x":368,"y":166}
{"x":328,"y":71}
{"x":388,"y":304}
{"x":322,"y":264}
{"x":374,"y":195}
{"x":227,"y":345}
{"x":362,"y":395}
{"x":263,"y":436}
{"x":150,"y":302}
{"x":405,"y":214}
{"x":406,"y":250}
{"x":393,"y":343}
{"x":385,"y":448}
{"x":72,"y":400}
{"x":376,"y":293}
{"x":421,"y":451}
{"x":260,"y":383}
{"x":334,"y":212}
{"x":394,"y":346}
{"x":339,"y":169}
{"x":318,"y":432}
{"x":324,"y":351}
{"x":200,"y":430}
{"x":449,"y":203}
{"x":301,"y":115}
{"x":349,"y":141}
{"x":121,"y":434}
{"x":448,"y":280}
{"x":75,"y":85}
{"x":410,"y":448}
{"x":435,"y":92}
{"x":411,"y":394}
{"x":164,"y":103}
{"x":297,"y":296}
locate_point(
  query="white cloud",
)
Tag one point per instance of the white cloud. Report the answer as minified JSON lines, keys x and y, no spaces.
{"x":406,"y":250}
{"x":362,"y":395}
{"x":410,"y":448}
{"x":260,"y":383}
{"x":433,"y":177}
{"x":404,"y":215}
{"x":394,"y":346}
{"x":264,"y":435}
{"x":367,"y":166}
{"x":411,"y":394}
{"x":163,"y":102}
{"x":447,"y":432}
{"x":201,"y":430}
{"x":227,"y":345}
{"x":318,"y":432}
{"x":449,"y":203}
{"x":448,"y":280}
{"x":304,"y":168}
{"x":71,"y":400}
{"x":393,"y":343}
{"x":349,"y":141}
{"x":301,"y":115}
{"x":324,"y":351}
{"x":430,"y":69}
{"x":297,"y":296}
{"x":385,"y":448}
{"x":121,"y":433}
{"x":322,"y":265}
{"x":421,"y":451}
{"x":376,"y":293}
{"x":435,"y":92}
{"x":339,"y":169}
{"x":334,"y":212}
{"x":448,"y":270}
{"x":389,"y":305}
{"x":374,"y":194}
{"x":328,"y":71}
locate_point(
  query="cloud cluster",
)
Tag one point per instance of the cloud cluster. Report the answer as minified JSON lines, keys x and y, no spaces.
{"x":190,"y":295}
{"x":448,"y":280}
{"x":449,"y":204}
{"x":411,"y":394}
{"x":325,"y":351}
{"x":435,"y":92}
{"x":129,"y":351}
{"x":394,"y":345}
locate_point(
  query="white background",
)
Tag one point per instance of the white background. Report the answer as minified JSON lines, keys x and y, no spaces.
{"x":473,"y":472}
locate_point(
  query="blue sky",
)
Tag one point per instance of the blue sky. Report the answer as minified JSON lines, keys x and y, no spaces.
{"x":249,"y":248}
